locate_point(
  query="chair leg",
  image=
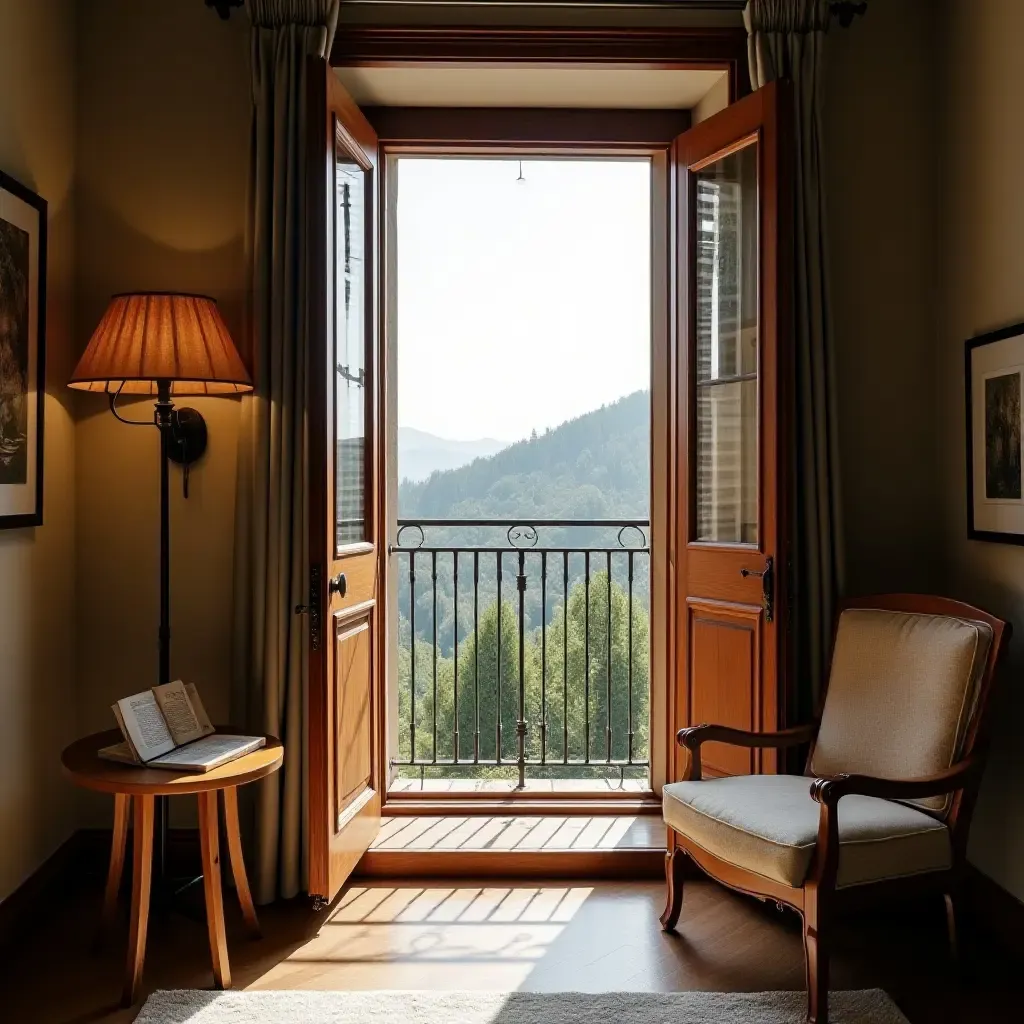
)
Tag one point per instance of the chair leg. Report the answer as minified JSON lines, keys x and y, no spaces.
{"x":816,"y":958}
{"x":675,"y":864}
{"x":951,"y":925}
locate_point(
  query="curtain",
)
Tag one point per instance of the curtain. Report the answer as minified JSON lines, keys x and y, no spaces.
{"x":271,"y":537}
{"x":786,"y":39}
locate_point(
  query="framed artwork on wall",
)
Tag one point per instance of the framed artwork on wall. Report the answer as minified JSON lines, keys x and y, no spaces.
{"x":22,"y":353}
{"x":994,"y":374}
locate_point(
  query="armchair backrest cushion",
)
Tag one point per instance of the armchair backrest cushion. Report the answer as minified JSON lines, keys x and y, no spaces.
{"x":901,"y":695}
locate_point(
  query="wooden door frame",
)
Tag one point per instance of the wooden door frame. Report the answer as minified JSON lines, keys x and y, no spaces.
{"x":652,"y":49}
{"x":550,"y":131}
{"x":425,"y":131}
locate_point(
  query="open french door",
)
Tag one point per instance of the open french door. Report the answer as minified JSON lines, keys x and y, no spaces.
{"x":733,"y":342}
{"x":345,"y":649}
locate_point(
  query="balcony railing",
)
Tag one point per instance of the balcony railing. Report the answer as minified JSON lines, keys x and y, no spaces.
{"x":523,"y":648}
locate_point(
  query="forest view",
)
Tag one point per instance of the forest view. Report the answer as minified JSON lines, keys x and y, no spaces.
{"x":594,"y":467}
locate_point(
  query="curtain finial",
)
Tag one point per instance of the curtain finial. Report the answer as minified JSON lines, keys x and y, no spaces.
{"x":223,"y":7}
{"x":847,"y":10}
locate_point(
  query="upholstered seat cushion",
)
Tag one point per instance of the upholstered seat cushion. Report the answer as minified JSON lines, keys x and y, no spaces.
{"x":769,"y":824}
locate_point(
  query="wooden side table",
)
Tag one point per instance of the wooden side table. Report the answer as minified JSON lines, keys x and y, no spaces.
{"x":140,"y":787}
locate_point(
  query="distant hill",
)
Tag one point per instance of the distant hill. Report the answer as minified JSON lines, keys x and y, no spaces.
{"x":420,"y":453}
{"x":596,"y":466}
{"x":593,"y":467}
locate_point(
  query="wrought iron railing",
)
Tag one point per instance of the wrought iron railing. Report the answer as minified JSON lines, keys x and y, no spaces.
{"x":523,"y":646}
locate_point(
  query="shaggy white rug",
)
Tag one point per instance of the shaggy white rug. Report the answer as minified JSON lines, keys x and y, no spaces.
{"x":195,"y":1007}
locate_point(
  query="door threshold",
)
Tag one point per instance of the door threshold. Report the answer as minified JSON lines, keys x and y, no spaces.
{"x":437,"y":805}
{"x":516,"y":846}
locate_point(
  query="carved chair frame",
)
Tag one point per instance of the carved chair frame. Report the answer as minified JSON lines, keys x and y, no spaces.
{"x":818,"y":901}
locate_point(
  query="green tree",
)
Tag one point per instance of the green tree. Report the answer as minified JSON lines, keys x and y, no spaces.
{"x":578,"y":676}
{"x":565,"y":705}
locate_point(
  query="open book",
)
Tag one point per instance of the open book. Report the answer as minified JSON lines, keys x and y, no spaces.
{"x":167,"y":727}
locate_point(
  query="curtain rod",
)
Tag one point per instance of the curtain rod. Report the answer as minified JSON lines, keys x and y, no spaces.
{"x":845,"y":10}
{"x":691,"y":5}
{"x":223,"y":7}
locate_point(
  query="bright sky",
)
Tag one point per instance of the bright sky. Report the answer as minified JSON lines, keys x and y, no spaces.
{"x":521,"y":304}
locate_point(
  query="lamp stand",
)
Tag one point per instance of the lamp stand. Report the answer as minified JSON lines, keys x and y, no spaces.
{"x":182,"y":440}
{"x":164,"y":421}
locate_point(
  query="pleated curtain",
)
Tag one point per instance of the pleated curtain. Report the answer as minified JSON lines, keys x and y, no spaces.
{"x":786,"y":39}
{"x":271,"y":548}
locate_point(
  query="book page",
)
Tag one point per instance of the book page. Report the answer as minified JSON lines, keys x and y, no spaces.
{"x":182,"y":720}
{"x":144,"y":723}
{"x":121,"y":752}
{"x":124,"y":732}
{"x":209,"y":752}
{"x":197,"y":707}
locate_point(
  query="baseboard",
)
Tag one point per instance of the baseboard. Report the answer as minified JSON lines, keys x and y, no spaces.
{"x":80,"y":861}
{"x":631,"y":864}
{"x":996,"y":911}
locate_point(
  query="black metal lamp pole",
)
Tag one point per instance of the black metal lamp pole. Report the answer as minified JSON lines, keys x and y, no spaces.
{"x":164,"y":420}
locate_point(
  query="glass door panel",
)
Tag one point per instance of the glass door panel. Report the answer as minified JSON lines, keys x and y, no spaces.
{"x":350,"y":339}
{"x":726,"y":292}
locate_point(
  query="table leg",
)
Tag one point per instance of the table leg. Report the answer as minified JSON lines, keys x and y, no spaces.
{"x":142,"y":869}
{"x":234,"y":835}
{"x":118,"y":843}
{"x":210,"y":843}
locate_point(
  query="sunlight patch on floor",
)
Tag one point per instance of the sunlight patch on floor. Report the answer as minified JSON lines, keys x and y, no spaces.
{"x":476,"y":937}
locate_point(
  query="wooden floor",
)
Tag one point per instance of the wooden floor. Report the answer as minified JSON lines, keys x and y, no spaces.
{"x":592,"y":937}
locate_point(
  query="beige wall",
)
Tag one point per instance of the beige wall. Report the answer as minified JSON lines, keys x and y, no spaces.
{"x":983,"y":288}
{"x":163,"y":149}
{"x":37,"y":581}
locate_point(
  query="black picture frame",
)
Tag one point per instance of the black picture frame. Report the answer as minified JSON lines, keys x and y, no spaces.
{"x":974,"y":532}
{"x":38,"y":264}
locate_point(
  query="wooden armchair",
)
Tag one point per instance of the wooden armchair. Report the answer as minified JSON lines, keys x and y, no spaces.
{"x":891,"y":780}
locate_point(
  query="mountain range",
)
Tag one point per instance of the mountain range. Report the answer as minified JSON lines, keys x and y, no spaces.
{"x":595,"y":466}
{"x":420,"y":453}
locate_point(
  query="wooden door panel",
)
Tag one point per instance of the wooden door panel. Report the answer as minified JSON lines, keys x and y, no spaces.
{"x":345,"y":666}
{"x":733,"y":333}
{"x":353,"y":672}
{"x":724,"y":644}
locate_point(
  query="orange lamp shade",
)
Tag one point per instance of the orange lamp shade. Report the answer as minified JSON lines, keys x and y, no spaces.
{"x":146,"y":337}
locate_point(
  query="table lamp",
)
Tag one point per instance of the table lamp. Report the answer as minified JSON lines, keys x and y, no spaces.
{"x":168,"y":345}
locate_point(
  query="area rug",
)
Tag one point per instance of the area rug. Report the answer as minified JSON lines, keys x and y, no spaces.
{"x":871,"y":1006}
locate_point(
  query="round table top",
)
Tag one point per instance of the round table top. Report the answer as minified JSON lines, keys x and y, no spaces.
{"x":86,"y":768}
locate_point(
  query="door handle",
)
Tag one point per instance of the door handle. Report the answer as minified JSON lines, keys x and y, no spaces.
{"x":337,"y":585}
{"x":767,"y":577}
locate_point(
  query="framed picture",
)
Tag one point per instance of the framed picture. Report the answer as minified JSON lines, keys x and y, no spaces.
{"x":22,"y":353}
{"x":995,"y":431}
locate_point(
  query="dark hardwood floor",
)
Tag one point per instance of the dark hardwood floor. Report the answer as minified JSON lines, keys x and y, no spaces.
{"x":562,"y":936}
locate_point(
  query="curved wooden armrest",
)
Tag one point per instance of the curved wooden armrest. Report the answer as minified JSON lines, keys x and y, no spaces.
{"x":829,"y":791}
{"x":692,"y":738}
